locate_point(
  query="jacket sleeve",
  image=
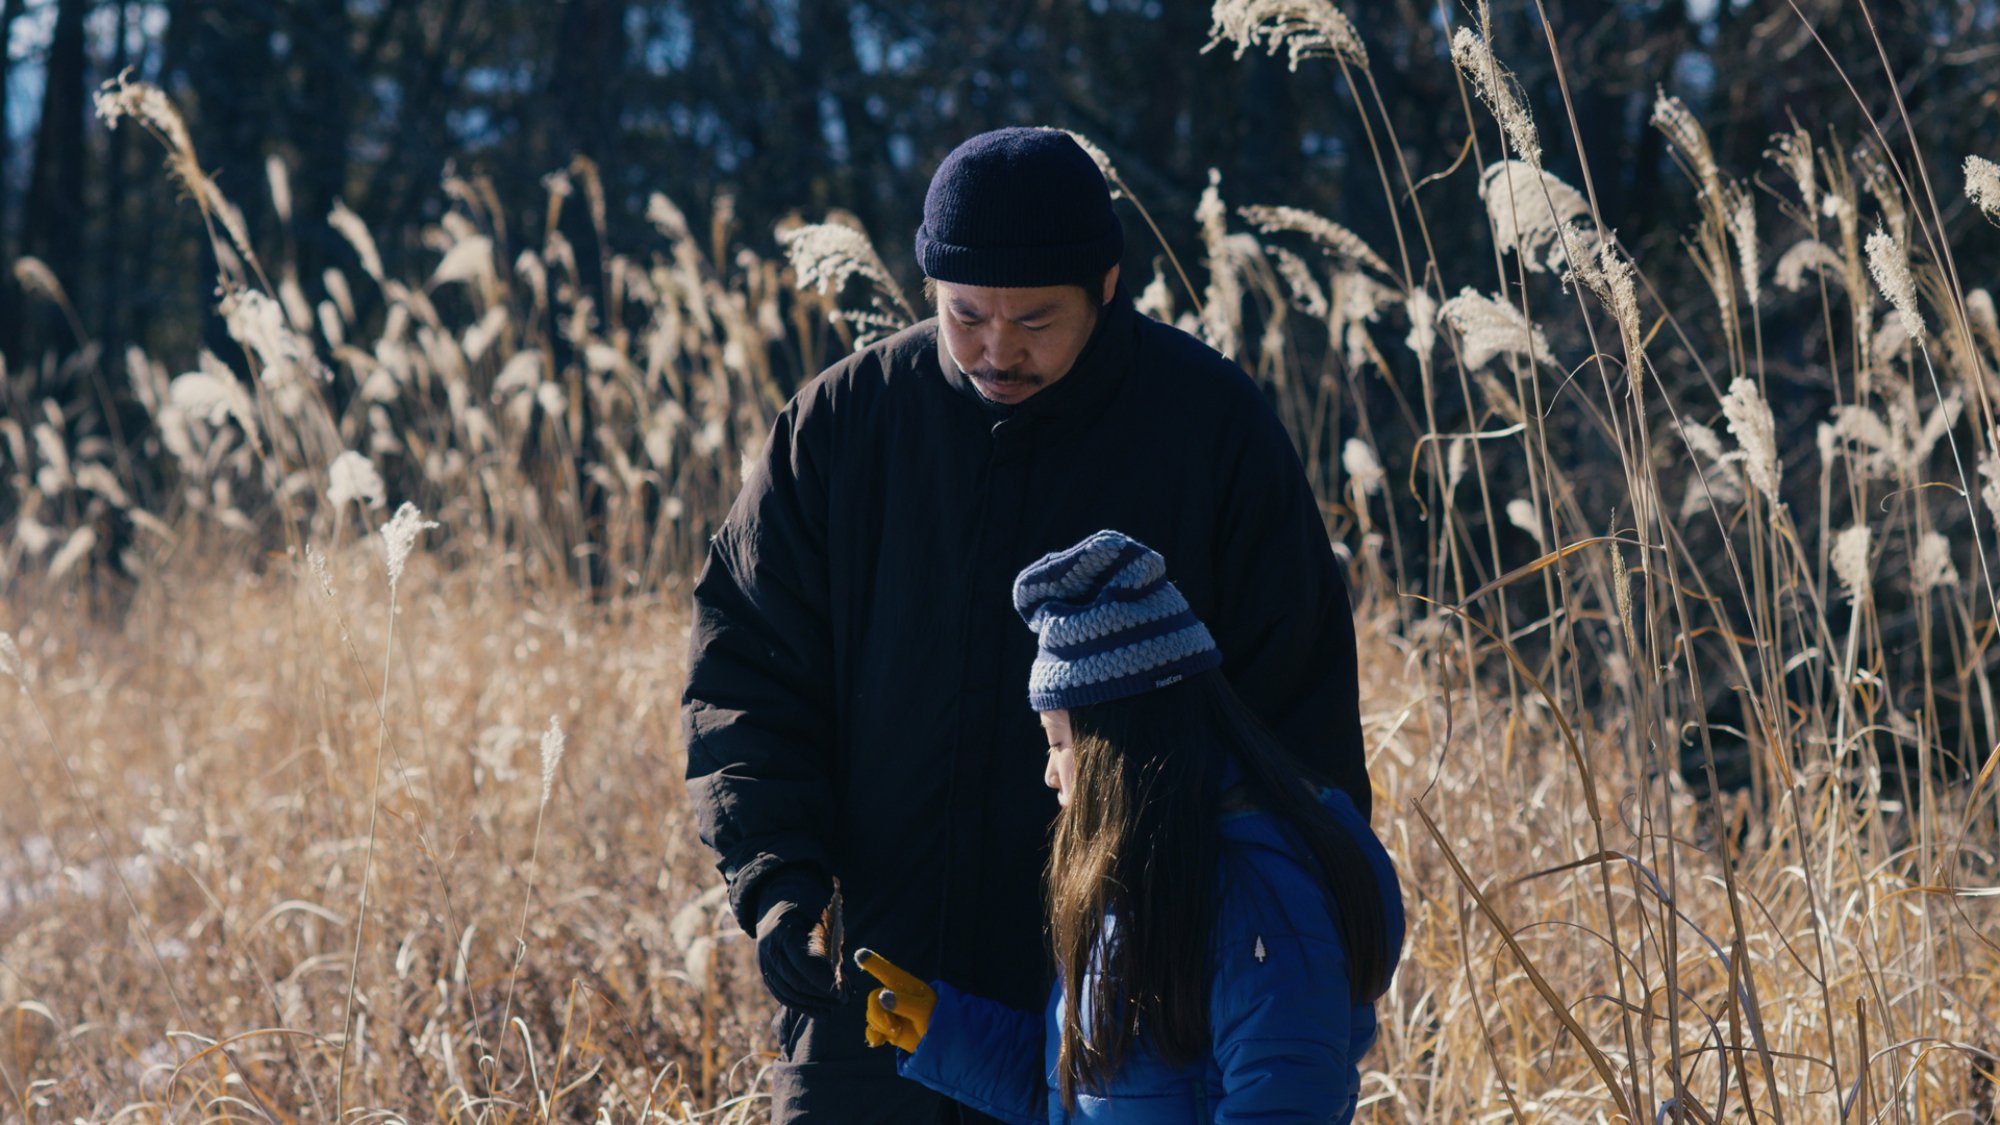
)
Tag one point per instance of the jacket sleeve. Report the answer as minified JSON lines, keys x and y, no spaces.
{"x":1280,"y":1021}
{"x":1283,"y":620}
{"x":757,"y":714}
{"x":983,"y":1054}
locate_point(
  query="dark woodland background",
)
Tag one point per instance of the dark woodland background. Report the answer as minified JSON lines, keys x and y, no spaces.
{"x":757,"y":109}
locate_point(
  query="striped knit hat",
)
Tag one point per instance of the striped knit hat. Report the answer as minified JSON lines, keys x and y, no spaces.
{"x":1110,"y":624}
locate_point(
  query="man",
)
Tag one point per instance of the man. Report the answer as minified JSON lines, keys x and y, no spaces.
{"x":855,"y":699}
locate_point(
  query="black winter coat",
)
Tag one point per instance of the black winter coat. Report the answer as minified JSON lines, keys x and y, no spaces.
{"x":856,"y":694}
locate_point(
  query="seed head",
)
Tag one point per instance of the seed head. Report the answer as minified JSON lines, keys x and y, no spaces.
{"x":1982,"y":185}
{"x":1703,"y":441}
{"x":1521,"y":513}
{"x":1850,"y":561}
{"x":1362,"y":467}
{"x":10,"y":659}
{"x":552,"y":752}
{"x":1490,"y":327}
{"x":1304,"y":28}
{"x":1755,"y":430}
{"x":1529,"y":210}
{"x":1423,"y":310}
{"x":1892,"y":275}
{"x":1794,"y":153}
{"x":1933,"y":567}
{"x":321,"y":573}
{"x":1743,"y":232}
{"x":1808,"y":254}
{"x":399,"y":535}
{"x":354,"y":478}
{"x":1496,"y":87}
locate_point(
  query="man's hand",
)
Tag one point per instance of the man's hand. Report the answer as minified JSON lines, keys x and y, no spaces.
{"x":900,"y":1012}
{"x":797,"y":976}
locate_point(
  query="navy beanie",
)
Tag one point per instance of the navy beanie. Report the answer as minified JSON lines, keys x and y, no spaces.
{"x":1109,"y":622}
{"x":1018,"y":208}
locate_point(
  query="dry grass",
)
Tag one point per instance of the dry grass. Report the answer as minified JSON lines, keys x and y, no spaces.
{"x":1678,"y":693}
{"x":224,"y":738}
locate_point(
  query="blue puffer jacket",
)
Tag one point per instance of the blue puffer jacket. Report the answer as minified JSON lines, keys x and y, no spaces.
{"x":1286,"y":1037}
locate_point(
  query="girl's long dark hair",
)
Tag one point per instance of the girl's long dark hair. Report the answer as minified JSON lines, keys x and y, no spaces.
{"x":1141,"y":841}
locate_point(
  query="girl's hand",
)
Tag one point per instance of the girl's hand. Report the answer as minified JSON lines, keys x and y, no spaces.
{"x":900,"y":1012}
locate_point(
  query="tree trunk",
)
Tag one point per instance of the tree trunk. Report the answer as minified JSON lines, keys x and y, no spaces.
{"x":52,"y":220}
{"x":9,"y":12}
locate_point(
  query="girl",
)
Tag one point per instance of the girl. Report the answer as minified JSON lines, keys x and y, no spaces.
{"x":1221,"y":926}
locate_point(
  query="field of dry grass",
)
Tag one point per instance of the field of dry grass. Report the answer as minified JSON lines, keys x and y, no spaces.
{"x":1678,"y":655}
{"x":189,"y":836}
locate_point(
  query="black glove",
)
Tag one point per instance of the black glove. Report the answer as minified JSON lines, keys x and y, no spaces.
{"x":792,"y":904}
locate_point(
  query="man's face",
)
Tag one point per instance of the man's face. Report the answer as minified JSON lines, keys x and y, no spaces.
{"x":1013,"y":343}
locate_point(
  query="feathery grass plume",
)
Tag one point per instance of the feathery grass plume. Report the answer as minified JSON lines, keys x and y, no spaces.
{"x":350,"y":227}
{"x":10,"y":659}
{"x":825,"y":256}
{"x":1979,"y":309}
{"x":1880,"y":183}
{"x":1422,"y":309}
{"x":80,"y":543}
{"x":1222,"y":302}
{"x":53,"y":476}
{"x":1989,"y":467}
{"x":552,"y":752}
{"x":1497,"y":87}
{"x":1529,"y":208}
{"x":1489,"y":327}
{"x":1621,"y":595}
{"x":1098,"y":158}
{"x":92,"y":476}
{"x":1891,"y":270}
{"x":1307,"y":295}
{"x":1608,"y":274}
{"x":1982,"y":185}
{"x":1793,"y":152}
{"x":1342,"y":245}
{"x":470,"y":259}
{"x":1808,"y":254}
{"x":120,"y":97}
{"x":280,"y":180}
{"x":1358,"y":459}
{"x":1702,"y":441}
{"x":1454,"y":463}
{"x":1157,"y":298}
{"x":1756,"y":433}
{"x":1306,"y":29}
{"x":1356,"y":303}
{"x":1864,"y":437}
{"x":1933,"y":566}
{"x":1742,"y":217}
{"x":1521,"y":513}
{"x":1672,"y":117}
{"x":1850,"y":562}
{"x":320,"y":571}
{"x":283,"y":357}
{"x":213,"y":394}
{"x":399,"y":535}
{"x":38,"y":280}
{"x":353,"y":477}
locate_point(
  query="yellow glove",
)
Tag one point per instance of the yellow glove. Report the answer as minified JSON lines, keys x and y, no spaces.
{"x":900,"y":1012}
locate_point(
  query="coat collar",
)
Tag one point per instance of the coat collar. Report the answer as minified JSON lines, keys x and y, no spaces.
{"x":1096,"y":374}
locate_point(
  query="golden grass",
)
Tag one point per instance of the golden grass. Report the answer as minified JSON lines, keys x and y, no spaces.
{"x":225,"y":737}
{"x":234,"y":839}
